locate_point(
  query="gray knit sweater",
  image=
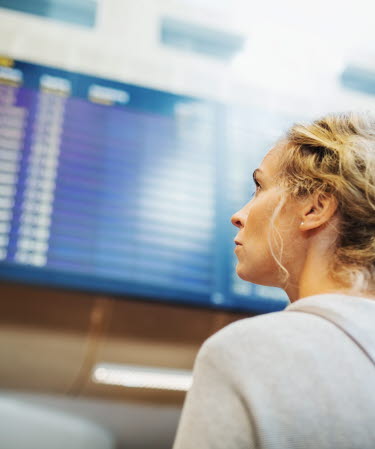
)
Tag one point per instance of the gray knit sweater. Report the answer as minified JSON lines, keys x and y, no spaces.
{"x":284,"y":380}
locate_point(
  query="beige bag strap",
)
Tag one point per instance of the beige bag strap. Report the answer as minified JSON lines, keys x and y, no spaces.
{"x":353,"y":332}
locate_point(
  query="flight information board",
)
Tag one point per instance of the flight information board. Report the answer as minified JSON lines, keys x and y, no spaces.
{"x":115,"y":188}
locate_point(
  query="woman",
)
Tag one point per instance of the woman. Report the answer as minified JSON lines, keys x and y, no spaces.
{"x":296,"y":380}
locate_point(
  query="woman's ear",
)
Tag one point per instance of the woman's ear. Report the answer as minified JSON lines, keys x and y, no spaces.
{"x":318,"y":210}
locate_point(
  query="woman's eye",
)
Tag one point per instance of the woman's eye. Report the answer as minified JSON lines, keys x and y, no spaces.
{"x":257,"y":187}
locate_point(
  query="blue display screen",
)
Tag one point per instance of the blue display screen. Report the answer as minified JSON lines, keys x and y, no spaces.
{"x":115,"y":188}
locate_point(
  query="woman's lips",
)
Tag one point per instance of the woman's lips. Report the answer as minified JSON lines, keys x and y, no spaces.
{"x":238,"y":245}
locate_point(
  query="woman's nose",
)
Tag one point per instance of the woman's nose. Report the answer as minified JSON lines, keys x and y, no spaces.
{"x":237,"y":219}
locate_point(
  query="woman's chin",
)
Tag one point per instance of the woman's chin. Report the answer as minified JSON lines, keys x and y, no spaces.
{"x":253,"y":276}
{"x":241,"y":273}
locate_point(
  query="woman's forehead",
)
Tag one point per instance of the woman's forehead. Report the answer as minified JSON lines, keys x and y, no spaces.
{"x":270,"y":161}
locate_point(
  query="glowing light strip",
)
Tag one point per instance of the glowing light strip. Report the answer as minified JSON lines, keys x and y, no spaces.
{"x":142,"y":377}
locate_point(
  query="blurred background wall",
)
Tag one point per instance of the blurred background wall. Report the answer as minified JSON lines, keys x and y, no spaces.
{"x":290,"y":55}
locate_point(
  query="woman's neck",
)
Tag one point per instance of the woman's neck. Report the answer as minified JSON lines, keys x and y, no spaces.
{"x":314,"y":279}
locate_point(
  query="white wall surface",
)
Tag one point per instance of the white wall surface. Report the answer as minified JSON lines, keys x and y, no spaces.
{"x":294,"y":53}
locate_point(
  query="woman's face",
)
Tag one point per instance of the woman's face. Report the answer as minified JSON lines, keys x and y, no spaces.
{"x":255,"y":261}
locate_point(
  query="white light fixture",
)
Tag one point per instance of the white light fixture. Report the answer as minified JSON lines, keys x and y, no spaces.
{"x":134,"y":376}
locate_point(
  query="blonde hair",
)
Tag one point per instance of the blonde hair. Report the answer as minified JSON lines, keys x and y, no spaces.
{"x":335,"y":155}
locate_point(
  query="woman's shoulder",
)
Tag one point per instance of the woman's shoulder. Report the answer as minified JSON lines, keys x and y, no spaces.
{"x":270,"y":326}
{"x":262,"y":335}
{"x":288,"y":333}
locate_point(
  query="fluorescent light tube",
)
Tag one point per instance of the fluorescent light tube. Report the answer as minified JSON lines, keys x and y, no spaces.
{"x":134,"y":376}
